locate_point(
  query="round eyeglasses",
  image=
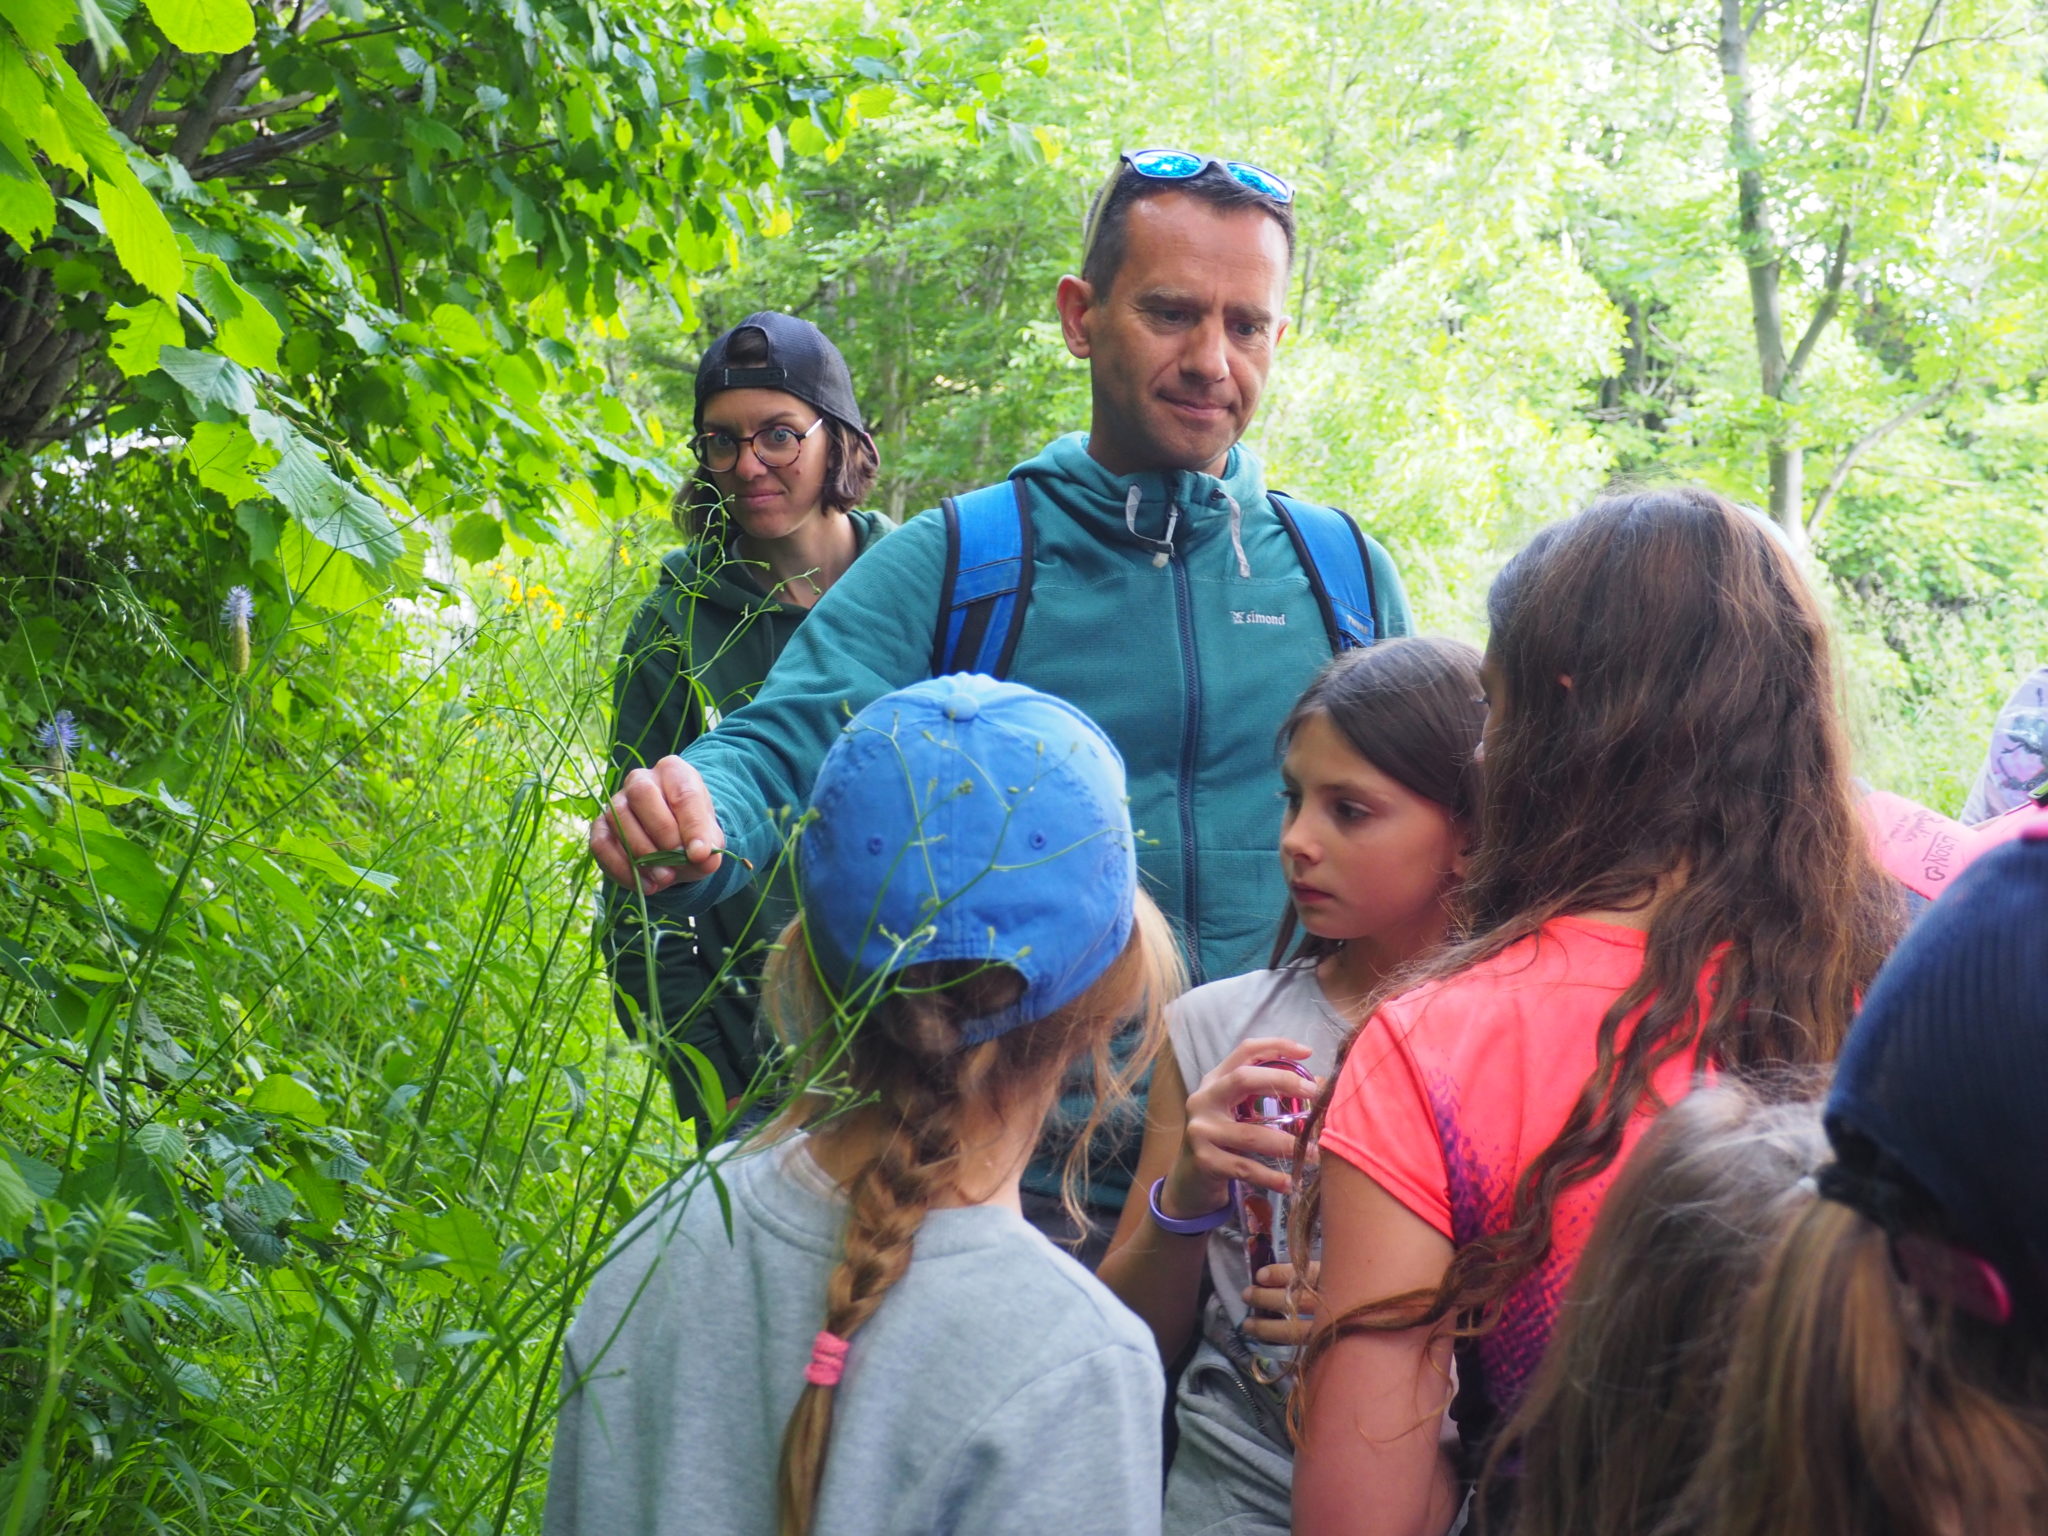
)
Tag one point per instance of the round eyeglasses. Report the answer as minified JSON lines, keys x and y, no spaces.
{"x":776,"y":447}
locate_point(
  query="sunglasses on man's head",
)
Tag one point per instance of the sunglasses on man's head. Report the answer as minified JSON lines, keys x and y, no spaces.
{"x":1185,"y":165}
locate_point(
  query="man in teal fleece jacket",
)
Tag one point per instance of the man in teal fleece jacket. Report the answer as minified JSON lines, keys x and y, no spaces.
{"x":1167,"y":601}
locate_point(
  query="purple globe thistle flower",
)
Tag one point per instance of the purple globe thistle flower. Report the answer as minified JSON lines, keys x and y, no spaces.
{"x":236,"y":613}
{"x":58,"y":737}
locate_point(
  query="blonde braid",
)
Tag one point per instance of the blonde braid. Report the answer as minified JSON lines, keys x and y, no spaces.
{"x":888,"y":1199}
{"x":905,"y":1054}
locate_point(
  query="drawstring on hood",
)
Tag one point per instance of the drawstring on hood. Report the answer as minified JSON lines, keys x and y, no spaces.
{"x":1070,"y":479}
{"x":1162,"y":548}
{"x":1244,"y":566}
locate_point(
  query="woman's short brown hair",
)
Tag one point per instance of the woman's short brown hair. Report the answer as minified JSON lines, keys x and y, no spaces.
{"x":851,"y":465}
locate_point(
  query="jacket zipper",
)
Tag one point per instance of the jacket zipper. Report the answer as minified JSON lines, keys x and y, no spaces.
{"x":1191,"y":719}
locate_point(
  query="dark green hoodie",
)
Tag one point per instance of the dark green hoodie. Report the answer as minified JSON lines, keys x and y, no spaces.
{"x":697,"y":650}
{"x":1170,"y":607}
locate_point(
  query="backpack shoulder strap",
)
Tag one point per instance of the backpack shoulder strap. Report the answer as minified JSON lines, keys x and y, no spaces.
{"x":987,"y":583}
{"x":1333,"y":556}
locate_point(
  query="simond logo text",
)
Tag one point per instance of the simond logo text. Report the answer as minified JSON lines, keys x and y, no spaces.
{"x":1246,"y":616}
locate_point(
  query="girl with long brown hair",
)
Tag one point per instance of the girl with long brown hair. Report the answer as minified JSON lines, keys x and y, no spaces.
{"x":1619,"y":1415}
{"x":1890,"y":1377}
{"x":1669,"y":878}
{"x":860,"y":1333}
{"x":1378,"y":790}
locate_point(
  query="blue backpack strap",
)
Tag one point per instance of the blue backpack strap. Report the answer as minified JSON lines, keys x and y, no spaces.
{"x":1333,"y":556}
{"x":988,"y":580}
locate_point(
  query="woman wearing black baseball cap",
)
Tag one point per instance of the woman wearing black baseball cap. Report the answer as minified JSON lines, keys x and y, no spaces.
{"x":772,"y":519}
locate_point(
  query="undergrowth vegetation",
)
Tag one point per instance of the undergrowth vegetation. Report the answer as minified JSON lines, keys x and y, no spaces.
{"x":313,"y":1118}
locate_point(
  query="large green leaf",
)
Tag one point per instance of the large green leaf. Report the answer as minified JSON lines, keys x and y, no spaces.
{"x":28,"y":209}
{"x":322,"y":574}
{"x":459,"y":1237}
{"x":36,"y":22}
{"x":219,"y":453}
{"x":247,"y":332}
{"x":142,"y":332}
{"x":282,"y":1094}
{"x":17,"y":1204}
{"x":141,"y":234}
{"x":210,"y":379}
{"x":328,"y":507}
{"x":205,"y":26}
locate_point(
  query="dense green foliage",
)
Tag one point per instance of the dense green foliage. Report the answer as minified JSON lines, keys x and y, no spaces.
{"x":312,"y":1115}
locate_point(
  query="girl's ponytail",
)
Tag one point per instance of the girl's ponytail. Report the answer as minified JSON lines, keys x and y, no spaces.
{"x":1856,"y":1404}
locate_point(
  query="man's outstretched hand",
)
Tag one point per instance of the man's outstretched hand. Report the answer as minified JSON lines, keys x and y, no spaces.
{"x":659,"y":829}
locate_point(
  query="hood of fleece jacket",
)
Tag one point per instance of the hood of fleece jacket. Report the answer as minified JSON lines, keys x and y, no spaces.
{"x":1159,"y":510}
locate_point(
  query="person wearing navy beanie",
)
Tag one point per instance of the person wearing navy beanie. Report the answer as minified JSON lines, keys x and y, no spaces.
{"x":1892,"y":1370}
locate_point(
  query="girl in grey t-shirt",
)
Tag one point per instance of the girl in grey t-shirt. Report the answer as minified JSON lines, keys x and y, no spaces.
{"x":856,"y":1333}
{"x":1379,"y":788}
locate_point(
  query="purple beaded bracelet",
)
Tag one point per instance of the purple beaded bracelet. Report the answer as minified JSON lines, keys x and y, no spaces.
{"x":1194,"y":1226}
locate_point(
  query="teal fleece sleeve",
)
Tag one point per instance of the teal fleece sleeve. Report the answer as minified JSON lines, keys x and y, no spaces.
{"x":1390,"y":598}
{"x":869,"y":635}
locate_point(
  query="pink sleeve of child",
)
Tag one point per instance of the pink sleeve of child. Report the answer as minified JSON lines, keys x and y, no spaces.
{"x":1382,"y":1121}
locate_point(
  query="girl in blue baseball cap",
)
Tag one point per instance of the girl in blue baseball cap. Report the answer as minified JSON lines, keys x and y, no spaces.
{"x":861,"y":1333}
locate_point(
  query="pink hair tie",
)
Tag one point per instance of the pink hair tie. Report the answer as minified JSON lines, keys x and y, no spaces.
{"x":828,"y":1360}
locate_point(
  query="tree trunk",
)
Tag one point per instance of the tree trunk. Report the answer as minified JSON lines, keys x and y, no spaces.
{"x":39,"y":360}
{"x":1788,"y":490}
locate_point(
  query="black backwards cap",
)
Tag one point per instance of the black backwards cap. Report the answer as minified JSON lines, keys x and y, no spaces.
{"x":1941,"y":1094}
{"x":801,"y":362}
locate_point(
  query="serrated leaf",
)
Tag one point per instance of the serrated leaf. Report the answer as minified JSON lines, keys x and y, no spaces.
{"x":141,"y":234}
{"x":162,"y":1144}
{"x":332,"y":864}
{"x":247,"y":332}
{"x":807,"y":138}
{"x":17,"y":1203}
{"x":456,"y":329}
{"x":42,"y":1179}
{"x":366,"y":336}
{"x":270,"y":1200}
{"x":195,"y":1381}
{"x":83,"y":126}
{"x":141,"y":332}
{"x":328,"y":507}
{"x":430,"y":133}
{"x":209,"y":378}
{"x":463,"y":1240}
{"x":477,"y":538}
{"x":204,"y":26}
{"x":282,"y":1094}
{"x":28,"y":209}
{"x":100,"y":30}
{"x":321,"y":574}
{"x":37,"y":22}
{"x":219,"y":453}
{"x":343,"y":1168}
{"x":250,"y":1235}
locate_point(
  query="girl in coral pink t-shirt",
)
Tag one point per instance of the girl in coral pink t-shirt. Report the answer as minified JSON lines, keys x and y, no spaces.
{"x":1669,"y":878}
